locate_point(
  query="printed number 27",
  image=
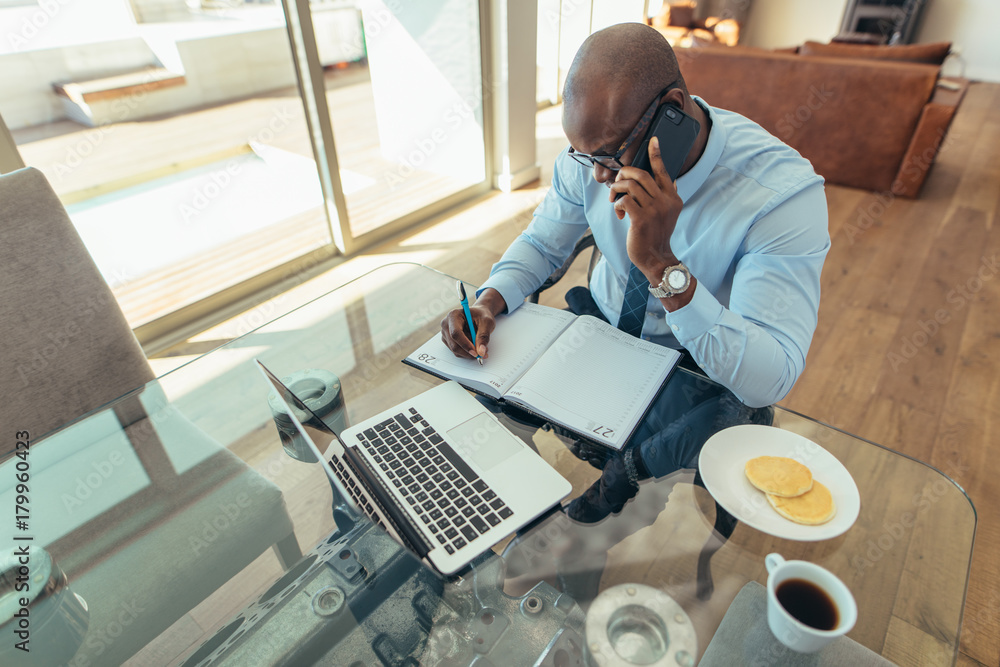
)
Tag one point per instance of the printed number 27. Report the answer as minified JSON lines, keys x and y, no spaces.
{"x":604,"y":431}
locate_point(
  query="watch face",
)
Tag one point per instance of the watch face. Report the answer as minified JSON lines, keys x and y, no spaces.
{"x":676,"y":279}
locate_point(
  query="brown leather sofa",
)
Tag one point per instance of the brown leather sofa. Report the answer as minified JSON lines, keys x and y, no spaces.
{"x":863,"y":122}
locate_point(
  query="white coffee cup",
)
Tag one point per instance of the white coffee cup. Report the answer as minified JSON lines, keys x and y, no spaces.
{"x":793,"y":632}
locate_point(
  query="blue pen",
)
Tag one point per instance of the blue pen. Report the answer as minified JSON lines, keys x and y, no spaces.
{"x":468,"y":317}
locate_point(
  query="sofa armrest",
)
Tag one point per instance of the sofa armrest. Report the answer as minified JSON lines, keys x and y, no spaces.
{"x":928,"y":137}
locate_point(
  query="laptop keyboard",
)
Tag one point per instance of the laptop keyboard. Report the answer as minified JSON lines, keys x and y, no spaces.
{"x":356,"y":491}
{"x":451,"y":500}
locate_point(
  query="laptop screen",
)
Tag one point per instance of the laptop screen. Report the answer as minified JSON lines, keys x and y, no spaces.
{"x":318,"y":437}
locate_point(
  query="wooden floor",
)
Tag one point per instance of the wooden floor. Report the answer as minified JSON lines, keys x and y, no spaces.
{"x":907,"y":351}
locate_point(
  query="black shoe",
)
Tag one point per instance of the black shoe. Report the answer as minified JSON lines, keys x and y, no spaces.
{"x":606,"y":496}
{"x":595,"y":456}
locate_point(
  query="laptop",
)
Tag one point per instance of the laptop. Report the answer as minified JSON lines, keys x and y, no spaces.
{"x":438,"y":472}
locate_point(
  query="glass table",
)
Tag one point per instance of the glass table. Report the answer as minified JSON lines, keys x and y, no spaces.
{"x":170,"y":527}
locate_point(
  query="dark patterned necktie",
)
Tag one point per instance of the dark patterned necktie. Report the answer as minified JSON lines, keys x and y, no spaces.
{"x":634,"y":304}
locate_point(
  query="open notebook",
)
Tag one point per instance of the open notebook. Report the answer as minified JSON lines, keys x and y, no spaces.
{"x":578,"y":372}
{"x":438,"y":472}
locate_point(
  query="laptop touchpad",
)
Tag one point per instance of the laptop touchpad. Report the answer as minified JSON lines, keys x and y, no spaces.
{"x":484,"y":441}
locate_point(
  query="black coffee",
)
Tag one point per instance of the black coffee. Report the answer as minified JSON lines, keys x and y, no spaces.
{"x":808,"y":603}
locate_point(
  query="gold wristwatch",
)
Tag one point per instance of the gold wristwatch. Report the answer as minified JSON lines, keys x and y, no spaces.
{"x":676,"y":280}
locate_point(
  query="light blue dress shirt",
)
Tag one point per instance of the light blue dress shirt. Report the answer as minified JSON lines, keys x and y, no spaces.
{"x":753,"y":231}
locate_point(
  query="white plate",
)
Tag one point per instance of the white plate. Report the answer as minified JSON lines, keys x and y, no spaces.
{"x":722,"y":461}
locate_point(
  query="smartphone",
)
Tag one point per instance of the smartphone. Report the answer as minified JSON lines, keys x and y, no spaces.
{"x":676,"y":131}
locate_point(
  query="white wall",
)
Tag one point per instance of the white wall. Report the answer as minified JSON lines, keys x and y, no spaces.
{"x":779,"y":23}
{"x":219,"y":63}
{"x":26,"y":78}
{"x":45,"y":42}
{"x":969,"y":24}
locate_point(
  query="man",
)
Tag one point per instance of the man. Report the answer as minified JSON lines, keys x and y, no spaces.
{"x":736,"y":245}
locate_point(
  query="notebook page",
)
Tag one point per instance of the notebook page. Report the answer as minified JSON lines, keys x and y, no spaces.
{"x":519,"y":338}
{"x":595,"y":379}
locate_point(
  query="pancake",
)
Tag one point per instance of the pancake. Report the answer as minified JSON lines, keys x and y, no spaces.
{"x":813,"y":507}
{"x":779,"y":476}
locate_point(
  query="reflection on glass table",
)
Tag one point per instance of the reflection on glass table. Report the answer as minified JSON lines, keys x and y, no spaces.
{"x":163,"y":527}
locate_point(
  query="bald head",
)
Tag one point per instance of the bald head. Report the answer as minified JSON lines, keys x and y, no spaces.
{"x":614,"y":78}
{"x":628,"y":60}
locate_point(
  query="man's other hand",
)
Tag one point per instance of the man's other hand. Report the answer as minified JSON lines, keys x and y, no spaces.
{"x":455,"y":329}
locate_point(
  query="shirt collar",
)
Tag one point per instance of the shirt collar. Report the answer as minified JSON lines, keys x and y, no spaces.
{"x":691,"y":182}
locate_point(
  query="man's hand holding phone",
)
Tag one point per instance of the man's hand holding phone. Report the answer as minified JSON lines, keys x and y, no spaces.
{"x":652,"y":204}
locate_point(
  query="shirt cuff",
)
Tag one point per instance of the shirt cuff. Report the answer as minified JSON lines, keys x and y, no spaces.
{"x":508,"y":289}
{"x":697,"y":318}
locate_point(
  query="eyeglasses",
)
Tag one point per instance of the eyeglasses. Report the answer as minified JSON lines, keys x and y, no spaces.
{"x":613,"y":162}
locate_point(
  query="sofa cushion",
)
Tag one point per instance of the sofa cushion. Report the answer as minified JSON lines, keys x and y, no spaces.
{"x":930,"y":54}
